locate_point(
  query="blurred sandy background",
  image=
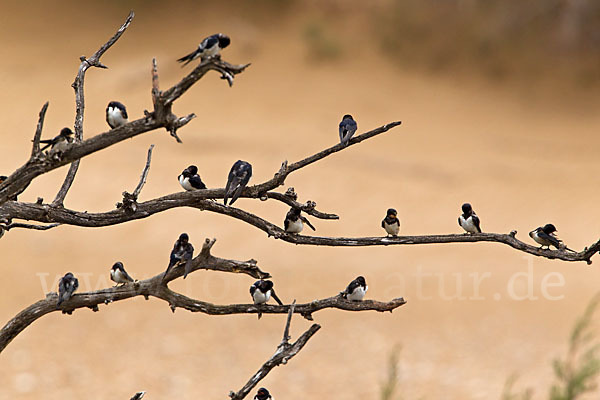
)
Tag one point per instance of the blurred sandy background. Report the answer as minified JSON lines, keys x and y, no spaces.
{"x":513,"y":130}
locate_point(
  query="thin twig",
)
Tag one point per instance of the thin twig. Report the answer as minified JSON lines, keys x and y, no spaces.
{"x":38,"y":131}
{"x":140,"y":185}
{"x":286,"y":330}
{"x":31,"y":226}
{"x":283,"y":354}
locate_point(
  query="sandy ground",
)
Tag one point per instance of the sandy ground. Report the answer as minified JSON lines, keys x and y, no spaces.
{"x":520,"y":158}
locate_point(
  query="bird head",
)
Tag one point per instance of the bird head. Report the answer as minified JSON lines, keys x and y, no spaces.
{"x":184,"y":238}
{"x":117,"y":265}
{"x":192,"y":169}
{"x":224,"y":40}
{"x":467,"y":209}
{"x":549,"y":228}
{"x":66,"y":132}
{"x":391,"y":213}
{"x":361,"y":280}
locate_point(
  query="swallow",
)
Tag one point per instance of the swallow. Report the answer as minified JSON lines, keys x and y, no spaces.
{"x":294,"y":221}
{"x":261,"y":291}
{"x":59,"y":143}
{"x":66,"y":286}
{"x":262,"y":394}
{"x":391,"y":223}
{"x":210,"y":47}
{"x":190,"y":180}
{"x":116,"y":114}
{"x":356,"y":290}
{"x":348,"y":127}
{"x":469,"y":221}
{"x":138,"y":396}
{"x":546,"y":236}
{"x":238,"y":178}
{"x":182,"y":252}
{"x":119,"y":275}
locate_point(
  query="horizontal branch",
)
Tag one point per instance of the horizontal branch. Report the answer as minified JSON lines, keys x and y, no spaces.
{"x":204,"y":261}
{"x":156,"y":287}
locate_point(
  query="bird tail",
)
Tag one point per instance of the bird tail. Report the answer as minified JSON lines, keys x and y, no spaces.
{"x":186,"y":59}
{"x":236,"y":194}
{"x":276,"y":298}
{"x":187,"y":269}
{"x":307,"y":222}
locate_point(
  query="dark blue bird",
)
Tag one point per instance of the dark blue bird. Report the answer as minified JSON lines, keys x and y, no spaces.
{"x":238,"y":178}
{"x":116,"y":114}
{"x":59,"y":143}
{"x":546,"y":236}
{"x":182,"y":252}
{"x":348,"y":127}
{"x":190,"y":180}
{"x":210,"y":47}
{"x":66,"y":286}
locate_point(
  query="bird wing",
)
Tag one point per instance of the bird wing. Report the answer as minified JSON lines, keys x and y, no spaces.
{"x":552,"y":239}
{"x":252,"y":290}
{"x":187,"y":258}
{"x":459,"y":224}
{"x":196,"y":182}
{"x":230,"y":184}
{"x":475,"y":219}
{"x":352,"y":286}
{"x":129,"y":278}
{"x":275,"y":297}
{"x":383,"y":223}
{"x":189,"y":57}
{"x":307,"y":222}
{"x":61,"y":291}
{"x":286,"y":223}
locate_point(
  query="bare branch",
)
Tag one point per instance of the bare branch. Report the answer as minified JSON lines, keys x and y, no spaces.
{"x":148,"y":287}
{"x":30,"y":226}
{"x":140,"y":185}
{"x":285,"y":352}
{"x":155,"y":287}
{"x":214,"y":64}
{"x":38,"y":131}
{"x":93,"y":61}
{"x":286,"y":330}
{"x":194,"y":199}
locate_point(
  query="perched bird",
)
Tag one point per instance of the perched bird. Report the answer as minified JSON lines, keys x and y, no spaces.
{"x":294,"y":221}
{"x":210,"y":47}
{"x":238,"y":178}
{"x":391,"y":223}
{"x":261,"y":291}
{"x":546,"y":236}
{"x":182,"y":252}
{"x":66,"y":286}
{"x":59,"y":143}
{"x":138,"y":396}
{"x":116,"y":114}
{"x":469,"y":221}
{"x":348,"y":127}
{"x":190,"y":180}
{"x":119,"y":275}
{"x":262,"y":394}
{"x":356,"y":289}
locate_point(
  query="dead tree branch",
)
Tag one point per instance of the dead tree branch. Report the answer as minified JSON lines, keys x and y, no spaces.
{"x":93,"y":61}
{"x":38,"y":131}
{"x":155,"y":287}
{"x":285,"y":352}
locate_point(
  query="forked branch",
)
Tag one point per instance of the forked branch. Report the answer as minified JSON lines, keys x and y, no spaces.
{"x":157,"y":288}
